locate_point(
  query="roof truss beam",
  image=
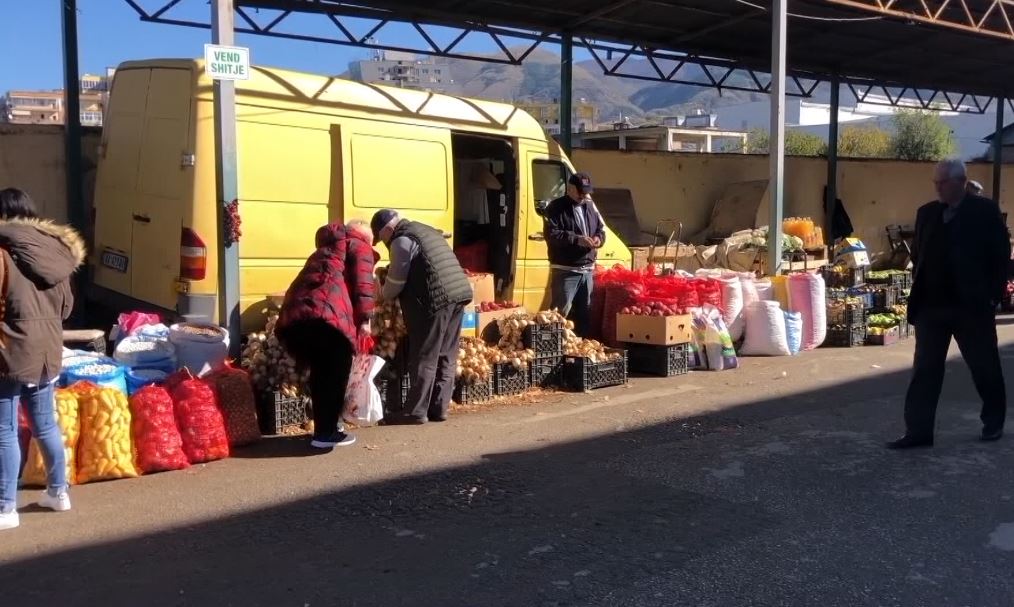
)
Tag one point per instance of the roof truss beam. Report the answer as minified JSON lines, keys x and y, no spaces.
{"x":666,"y":66}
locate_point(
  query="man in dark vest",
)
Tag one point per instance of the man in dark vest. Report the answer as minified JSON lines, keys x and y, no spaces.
{"x":433,"y":290}
{"x":574,"y":232}
{"x":960,"y":255}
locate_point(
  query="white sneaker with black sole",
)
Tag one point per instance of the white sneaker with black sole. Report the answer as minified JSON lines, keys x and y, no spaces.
{"x":58,"y":503}
{"x":338,"y":439}
{"x":9,"y":520}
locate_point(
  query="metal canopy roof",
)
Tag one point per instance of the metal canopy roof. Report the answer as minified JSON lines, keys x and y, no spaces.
{"x":933,"y":45}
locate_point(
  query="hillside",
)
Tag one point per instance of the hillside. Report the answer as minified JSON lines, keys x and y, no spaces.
{"x":539,"y":78}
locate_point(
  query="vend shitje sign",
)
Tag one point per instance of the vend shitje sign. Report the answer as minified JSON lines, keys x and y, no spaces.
{"x":227,"y":62}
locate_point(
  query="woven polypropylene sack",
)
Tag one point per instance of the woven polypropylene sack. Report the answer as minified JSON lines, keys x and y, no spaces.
{"x":807,"y":296}
{"x":732,"y":311}
{"x":794,"y":331}
{"x":765,"y":330}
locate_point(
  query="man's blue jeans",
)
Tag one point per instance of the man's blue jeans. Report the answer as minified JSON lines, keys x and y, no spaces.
{"x":40,"y":404}
{"x":572,"y":297}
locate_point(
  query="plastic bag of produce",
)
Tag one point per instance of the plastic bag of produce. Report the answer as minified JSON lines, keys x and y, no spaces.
{"x":363,"y":404}
{"x":104,"y":450}
{"x":135,"y":351}
{"x":236,"y":399}
{"x":157,"y":441}
{"x":713,"y":348}
{"x":199,"y":420}
{"x":807,"y":295}
{"x":67,"y":418}
{"x":794,"y":331}
{"x":103,"y":372}
{"x":709,"y":292}
{"x":765,"y":330}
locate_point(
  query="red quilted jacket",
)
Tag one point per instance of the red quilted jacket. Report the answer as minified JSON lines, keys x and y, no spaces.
{"x":335,"y":285}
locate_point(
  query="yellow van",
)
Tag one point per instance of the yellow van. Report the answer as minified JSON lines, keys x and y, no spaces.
{"x":311,"y":149}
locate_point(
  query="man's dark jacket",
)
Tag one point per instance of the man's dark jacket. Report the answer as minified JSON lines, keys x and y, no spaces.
{"x":561,"y":232}
{"x":982,"y":250}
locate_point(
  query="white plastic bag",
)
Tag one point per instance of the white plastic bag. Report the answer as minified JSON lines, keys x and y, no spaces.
{"x":363,"y":405}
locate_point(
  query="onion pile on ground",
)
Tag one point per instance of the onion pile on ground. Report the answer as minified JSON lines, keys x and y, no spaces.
{"x":388,"y":329}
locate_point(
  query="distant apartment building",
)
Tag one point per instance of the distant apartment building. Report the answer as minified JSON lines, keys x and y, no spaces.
{"x":49,"y":107}
{"x":694,"y":133}
{"x":584,"y":115}
{"x":403,"y":70}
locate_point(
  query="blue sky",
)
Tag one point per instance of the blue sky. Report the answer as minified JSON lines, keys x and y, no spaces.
{"x":110,"y":32}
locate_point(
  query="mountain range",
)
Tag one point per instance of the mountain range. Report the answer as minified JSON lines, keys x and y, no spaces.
{"x":538,"y":78}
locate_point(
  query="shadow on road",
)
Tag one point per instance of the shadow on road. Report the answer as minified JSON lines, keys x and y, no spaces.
{"x":555,"y":526}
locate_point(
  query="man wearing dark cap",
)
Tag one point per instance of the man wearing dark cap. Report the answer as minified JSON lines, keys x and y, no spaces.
{"x":574,"y":232}
{"x":433,"y":290}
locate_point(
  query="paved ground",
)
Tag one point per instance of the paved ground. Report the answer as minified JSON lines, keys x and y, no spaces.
{"x":751,"y":487}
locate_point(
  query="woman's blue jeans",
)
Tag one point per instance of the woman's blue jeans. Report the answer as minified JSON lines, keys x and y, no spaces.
{"x":40,"y":405}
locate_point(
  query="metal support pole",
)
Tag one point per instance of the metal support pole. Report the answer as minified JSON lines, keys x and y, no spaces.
{"x":566,"y":90}
{"x":831,"y":191}
{"x":72,"y":117}
{"x":998,"y":149}
{"x":776,"y":153}
{"x":222,"y":32}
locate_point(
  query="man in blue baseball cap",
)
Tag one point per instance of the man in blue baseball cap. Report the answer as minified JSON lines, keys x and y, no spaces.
{"x":433,"y":290}
{"x":574,"y":232}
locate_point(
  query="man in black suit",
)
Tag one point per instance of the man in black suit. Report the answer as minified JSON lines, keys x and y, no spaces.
{"x":960,"y":255}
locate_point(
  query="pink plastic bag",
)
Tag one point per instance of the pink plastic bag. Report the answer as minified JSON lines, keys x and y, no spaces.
{"x":130,"y":323}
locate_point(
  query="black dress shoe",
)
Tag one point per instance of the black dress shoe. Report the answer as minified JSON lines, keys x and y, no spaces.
{"x":989,"y":436}
{"x":437,"y":419}
{"x":911,"y":442}
{"x":402,"y":420}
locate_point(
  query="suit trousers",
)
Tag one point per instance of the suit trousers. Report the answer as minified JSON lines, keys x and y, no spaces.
{"x":975,"y":332}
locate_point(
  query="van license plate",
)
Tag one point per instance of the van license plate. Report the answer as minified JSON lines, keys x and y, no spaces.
{"x":114,"y":261}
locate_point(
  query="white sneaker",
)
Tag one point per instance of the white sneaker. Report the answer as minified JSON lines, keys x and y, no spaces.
{"x":60,"y":503}
{"x":9,"y":520}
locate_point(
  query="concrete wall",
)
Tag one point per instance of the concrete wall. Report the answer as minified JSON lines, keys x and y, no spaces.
{"x":32,"y":158}
{"x":685,"y":186}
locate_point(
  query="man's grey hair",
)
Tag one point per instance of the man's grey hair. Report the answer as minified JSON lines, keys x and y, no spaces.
{"x":954,"y":168}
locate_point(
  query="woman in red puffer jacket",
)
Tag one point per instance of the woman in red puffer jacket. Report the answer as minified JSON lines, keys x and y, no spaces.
{"x":326,"y":313}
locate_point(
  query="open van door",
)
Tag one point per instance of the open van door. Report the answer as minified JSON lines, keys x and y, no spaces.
{"x":544,"y":179}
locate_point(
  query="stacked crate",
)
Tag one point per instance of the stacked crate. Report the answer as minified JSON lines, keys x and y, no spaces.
{"x":547,"y":343}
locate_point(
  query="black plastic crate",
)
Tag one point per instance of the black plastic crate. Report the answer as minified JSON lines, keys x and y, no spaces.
{"x":886,"y":297}
{"x":848,"y":316}
{"x":663,"y":361}
{"x":581,"y":374}
{"x":546,"y":372}
{"x":845,"y":338}
{"x":473,"y":393}
{"x":862,"y":293}
{"x":901,"y":280}
{"x":851,"y":277}
{"x":546,"y":340}
{"x":396,"y":394}
{"x":277,"y":413}
{"x":509,"y":380}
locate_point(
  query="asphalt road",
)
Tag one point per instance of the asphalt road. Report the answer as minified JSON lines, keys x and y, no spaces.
{"x":763,"y":486}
